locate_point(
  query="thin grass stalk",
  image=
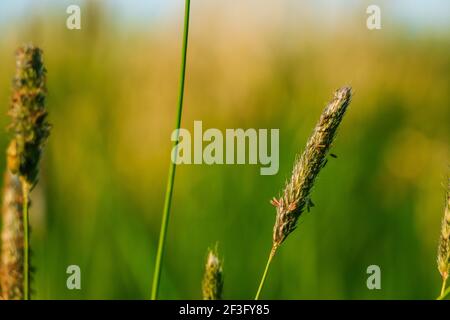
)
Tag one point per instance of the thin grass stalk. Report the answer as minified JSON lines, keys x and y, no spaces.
{"x":264,"y":276}
{"x":443,"y":286}
{"x":296,"y":195}
{"x":171,"y":176}
{"x":444,"y":294}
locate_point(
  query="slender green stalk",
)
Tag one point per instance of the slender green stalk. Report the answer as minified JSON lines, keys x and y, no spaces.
{"x":444,"y":294}
{"x":444,"y":282}
{"x":26,"y":244}
{"x":171,"y":176}
{"x":263,"y":279}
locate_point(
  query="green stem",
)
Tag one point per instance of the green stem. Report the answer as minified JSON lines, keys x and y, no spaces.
{"x":26,"y":243}
{"x":444,"y":292}
{"x":444,"y":282}
{"x":263,"y":279}
{"x":171,"y":176}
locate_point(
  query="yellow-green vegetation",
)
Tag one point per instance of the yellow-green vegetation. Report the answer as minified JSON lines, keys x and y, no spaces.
{"x":171,"y":176}
{"x":113,"y":95}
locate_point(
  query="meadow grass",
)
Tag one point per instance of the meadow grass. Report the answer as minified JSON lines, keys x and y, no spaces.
{"x":171,"y":176}
{"x":296,"y":195}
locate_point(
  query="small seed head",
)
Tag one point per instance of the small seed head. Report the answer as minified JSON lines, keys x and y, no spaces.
{"x":29,"y":115}
{"x":213,"y":277}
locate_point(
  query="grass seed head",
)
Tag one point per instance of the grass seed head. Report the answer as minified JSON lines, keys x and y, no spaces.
{"x":30,"y":130}
{"x":213,"y":277}
{"x":295,"y":196}
{"x":29,"y":115}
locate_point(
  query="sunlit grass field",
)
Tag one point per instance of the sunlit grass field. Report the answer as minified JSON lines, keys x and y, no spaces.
{"x":112,"y":103}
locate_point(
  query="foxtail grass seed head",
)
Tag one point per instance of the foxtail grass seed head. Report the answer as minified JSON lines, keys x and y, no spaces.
{"x":443,"y":258}
{"x":295,"y":196}
{"x":29,"y":115}
{"x":12,"y":253}
{"x":30,"y":129}
{"x":213,"y":277}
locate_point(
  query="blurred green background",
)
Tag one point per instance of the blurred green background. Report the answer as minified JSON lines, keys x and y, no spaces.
{"x":251,"y":64}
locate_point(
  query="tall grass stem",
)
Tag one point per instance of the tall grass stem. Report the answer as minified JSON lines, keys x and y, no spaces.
{"x":444,"y":282}
{"x":266,"y":270}
{"x":171,"y":176}
{"x":444,"y":294}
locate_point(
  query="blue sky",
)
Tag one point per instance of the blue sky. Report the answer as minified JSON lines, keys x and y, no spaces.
{"x":414,"y":13}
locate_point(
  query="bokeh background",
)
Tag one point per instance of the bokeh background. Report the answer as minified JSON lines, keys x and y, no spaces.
{"x":251,"y":64}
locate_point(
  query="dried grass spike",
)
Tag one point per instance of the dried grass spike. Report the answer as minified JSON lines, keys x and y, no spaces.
{"x":29,"y":116}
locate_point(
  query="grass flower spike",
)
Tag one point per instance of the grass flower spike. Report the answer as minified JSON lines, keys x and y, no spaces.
{"x":30,"y":130}
{"x":172,"y":168}
{"x":296,"y":195}
{"x":213,"y":278}
{"x":29,"y":115}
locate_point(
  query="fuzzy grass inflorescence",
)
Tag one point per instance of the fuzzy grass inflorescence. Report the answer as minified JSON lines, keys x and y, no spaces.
{"x":212,"y":284}
{"x":28,"y":113}
{"x":443,"y":256}
{"x":296,"y":194}
{"x":30,"y":130}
